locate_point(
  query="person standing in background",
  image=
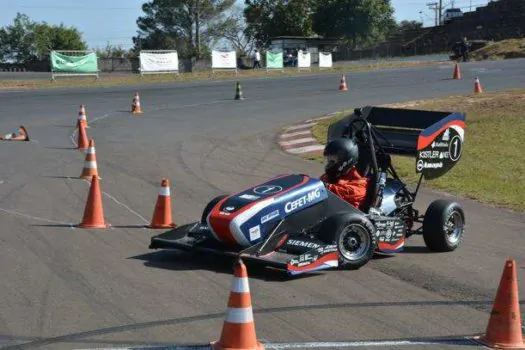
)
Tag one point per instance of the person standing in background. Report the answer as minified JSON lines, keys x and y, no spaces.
{"x":256,"y":59}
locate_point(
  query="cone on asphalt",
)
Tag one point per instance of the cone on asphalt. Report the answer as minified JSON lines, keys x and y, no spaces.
{"x":135,"y":104}
{"x":342,"y":84}
{"x":90,"y":163}
{"x":504,"y":328}
{"x":82,"y":118}
{"x":477,"y":87}
{"x":162,"y":213}
{"x":94,"y":212}
{"x":82,"y":142}
{"x":457,"y":72}
{"x":238,"y":92}
{"x":238,"y":331}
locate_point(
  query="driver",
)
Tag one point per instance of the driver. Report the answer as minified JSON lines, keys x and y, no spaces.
{"x":341,"y":176}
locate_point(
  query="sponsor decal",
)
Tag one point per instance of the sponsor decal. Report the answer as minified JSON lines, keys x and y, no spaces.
{"x":300,"y":202}
{"x":426,"y":165}
{"x":439,"y":144}
{"x":270,"y":216}
{"x":267,"y":189}
{"x":229,"y":208}
{"x":224,"y":213}
{"x":248,"y":196}
{"x":309,"y":258}
{"x":299,"y":243}
{"x":255,"y":233}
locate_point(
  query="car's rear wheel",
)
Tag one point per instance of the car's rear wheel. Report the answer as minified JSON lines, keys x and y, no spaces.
{"x":210,"y":206}
{"x":354,"y":236}
{"x":443,"y":226}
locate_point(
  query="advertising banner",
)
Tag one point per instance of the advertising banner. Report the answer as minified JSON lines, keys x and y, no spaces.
{"x":274,"y":60}
{"x":159,"y":62}
{"x":74,"y":64}
{"x":223,"y":60}
{"x":303,"y":59}
{"x":325,"y":59}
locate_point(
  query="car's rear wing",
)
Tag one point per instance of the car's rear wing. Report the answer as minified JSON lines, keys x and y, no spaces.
{"x":434,"y":138}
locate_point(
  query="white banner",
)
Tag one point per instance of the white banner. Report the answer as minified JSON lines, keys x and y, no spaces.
{"x":303,"y":59}
{"x":325,"y":59}
{"x":223,"y":59}
{"x":159,"y":62}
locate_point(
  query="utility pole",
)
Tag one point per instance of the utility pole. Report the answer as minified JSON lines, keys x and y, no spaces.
{"x":433,"y":6}
{"x":440,"y":10}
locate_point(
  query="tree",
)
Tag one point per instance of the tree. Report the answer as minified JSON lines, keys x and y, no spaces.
{"x":271,"y":18}
{"x":359,"y":20}
{"x":178,"y":24}
{"x":232,"y":30}
{"x":51,"y":37}
{"x":408,"y":26}
{"x":26,"y":41}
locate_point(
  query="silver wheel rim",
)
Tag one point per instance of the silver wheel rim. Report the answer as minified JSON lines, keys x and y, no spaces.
{"x":354,"y":242}
{"x":453,"y":227}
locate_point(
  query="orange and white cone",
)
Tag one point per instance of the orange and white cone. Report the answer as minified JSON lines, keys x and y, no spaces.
{"x":342,"y":85}
{"x":238,"y":331}
{"x":135,"y":105}
{"x":477,"y":87}
{"x":162,"y":213}
{"x":457,"y":72}
{"x":504,"y":328}
{"x":90,"y":163}
{"x":82,"y":118}
{"x":82,"y":143}
{"x":94,"y":211}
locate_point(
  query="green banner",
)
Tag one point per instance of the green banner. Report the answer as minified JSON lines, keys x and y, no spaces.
{"x":274,"y":59}
{"x":74,"y":64}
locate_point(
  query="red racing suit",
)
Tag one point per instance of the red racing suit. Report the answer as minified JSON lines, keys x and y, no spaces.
{"x":351,"y":187}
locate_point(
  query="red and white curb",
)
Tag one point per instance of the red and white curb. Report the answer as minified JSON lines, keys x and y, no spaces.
{"x":298,"y":139}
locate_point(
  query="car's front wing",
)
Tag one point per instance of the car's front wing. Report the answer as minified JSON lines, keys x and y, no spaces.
{"x":197,"y":238}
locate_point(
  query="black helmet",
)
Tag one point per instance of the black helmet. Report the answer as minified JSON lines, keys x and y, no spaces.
{"x":341,"y":154}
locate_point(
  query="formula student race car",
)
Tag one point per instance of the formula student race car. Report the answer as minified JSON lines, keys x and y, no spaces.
{"x":293,"y":223}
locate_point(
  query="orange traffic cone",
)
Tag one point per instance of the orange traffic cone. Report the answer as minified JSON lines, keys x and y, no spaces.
{"x":457,"y":72}
{"x":135,"y":105}
{"x":162,"y":213}
{"x":90,"y":163}
{"x":477,"y":87}
{"x":342,"y":85}
{"x":82,"y":117}
{"x":504,"y":328}
{"x":83,"y":142}
{"x":238,"y":331}
{"x":94,"y":212}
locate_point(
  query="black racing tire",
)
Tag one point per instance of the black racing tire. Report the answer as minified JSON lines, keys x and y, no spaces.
{"x":210,"y":206}
{"x":443,"y":226}
{"x":350,"y":232}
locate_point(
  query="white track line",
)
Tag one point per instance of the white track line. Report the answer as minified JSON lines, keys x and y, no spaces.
{"x":37,"y":218}
{"x":317,"y":345}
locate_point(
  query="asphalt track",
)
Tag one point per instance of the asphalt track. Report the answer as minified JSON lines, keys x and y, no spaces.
{"x":65,"y":288}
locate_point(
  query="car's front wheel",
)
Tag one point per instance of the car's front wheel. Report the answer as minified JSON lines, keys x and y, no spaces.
{"x":354,"y":236}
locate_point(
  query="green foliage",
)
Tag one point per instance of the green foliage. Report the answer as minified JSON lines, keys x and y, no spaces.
{"x":359,"y":20}
{"x":26,"y":40}
{"x":271,"y":18}
{"x":182,"y":25}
